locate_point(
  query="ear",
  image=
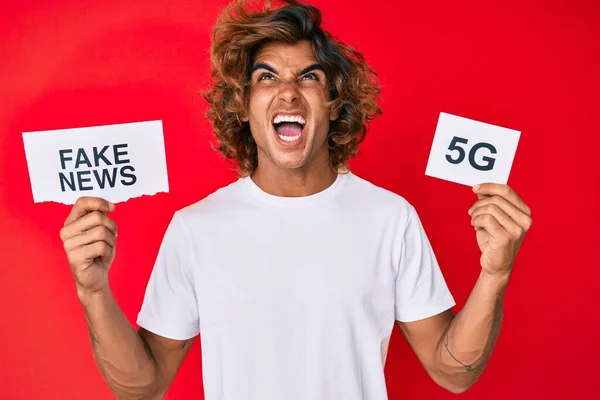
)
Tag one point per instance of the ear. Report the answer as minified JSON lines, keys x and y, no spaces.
{"x":333,"y":115}
{"x":244,"y":116}
{"x":333,"y":94}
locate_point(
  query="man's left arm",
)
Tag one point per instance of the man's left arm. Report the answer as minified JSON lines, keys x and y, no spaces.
{"x":455,"y":349}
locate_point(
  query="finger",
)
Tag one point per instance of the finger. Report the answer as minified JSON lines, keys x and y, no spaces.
{"x":89,"y":221}
{"x":488,"y":223}
{"x":504,"y":191}
{"x":507,"y":223}
{"x":83,"y":205}
{"x":87,"y":254}
{"x":523,"y":220}
{"x":97,"y":234}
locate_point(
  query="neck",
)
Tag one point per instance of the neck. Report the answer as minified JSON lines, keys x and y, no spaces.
{"x":294,"y":182}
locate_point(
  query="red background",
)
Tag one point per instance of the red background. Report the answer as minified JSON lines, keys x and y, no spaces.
{"x":532,"y":66}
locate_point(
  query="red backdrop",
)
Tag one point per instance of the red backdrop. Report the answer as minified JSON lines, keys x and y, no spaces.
{"x":533,"y":67}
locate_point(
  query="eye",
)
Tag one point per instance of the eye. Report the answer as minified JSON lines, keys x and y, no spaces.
{"x":266,"y":76}
{"x":310,"y":76}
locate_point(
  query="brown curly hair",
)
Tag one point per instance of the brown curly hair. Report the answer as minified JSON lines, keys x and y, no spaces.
{"x":240,"y":31}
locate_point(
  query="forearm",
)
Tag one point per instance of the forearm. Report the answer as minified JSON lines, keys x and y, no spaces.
{"x":120,"y":353}
{"x":468,"y":342}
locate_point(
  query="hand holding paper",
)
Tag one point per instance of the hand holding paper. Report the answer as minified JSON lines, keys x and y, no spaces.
{"x":89,"y":237}
{"x":501,"y":219}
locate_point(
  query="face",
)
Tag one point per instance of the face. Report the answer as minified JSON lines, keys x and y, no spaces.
{"x":287,"y":110}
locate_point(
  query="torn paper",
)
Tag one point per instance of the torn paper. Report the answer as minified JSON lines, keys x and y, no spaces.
{"x":114,"y":162}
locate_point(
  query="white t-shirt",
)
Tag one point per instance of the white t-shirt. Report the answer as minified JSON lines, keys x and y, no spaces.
{"x":294,"y":298}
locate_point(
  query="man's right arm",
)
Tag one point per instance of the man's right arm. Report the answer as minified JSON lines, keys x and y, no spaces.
{"x":136,"y":365}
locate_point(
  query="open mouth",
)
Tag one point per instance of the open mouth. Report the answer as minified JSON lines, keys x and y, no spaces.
{"x":289,"y":127}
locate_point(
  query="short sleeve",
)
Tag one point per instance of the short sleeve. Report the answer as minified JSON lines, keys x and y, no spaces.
{"x":169,"y":308}
{"x":421,"y":289}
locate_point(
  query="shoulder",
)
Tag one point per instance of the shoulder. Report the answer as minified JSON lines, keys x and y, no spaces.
{"x":376,"y":198}
{"x":213,"y":205}
{"x":383,"y":209}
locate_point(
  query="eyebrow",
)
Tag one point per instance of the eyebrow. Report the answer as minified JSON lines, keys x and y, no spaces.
{"x":313,"y":67}
{"x":263,"y":66}
{"x":310,"y":68}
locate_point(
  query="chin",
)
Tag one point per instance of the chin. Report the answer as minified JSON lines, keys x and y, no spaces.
{"x":290,"y":157}
{"x":289,"y":163}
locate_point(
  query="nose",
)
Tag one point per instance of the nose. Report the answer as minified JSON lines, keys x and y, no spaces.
{"x":289,"y":93}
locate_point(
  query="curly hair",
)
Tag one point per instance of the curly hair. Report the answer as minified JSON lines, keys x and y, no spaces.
{"x":239,"y":33}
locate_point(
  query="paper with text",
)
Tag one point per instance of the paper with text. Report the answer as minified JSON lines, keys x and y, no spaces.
{"x":471,"y":152}
{"x":114,"y":162}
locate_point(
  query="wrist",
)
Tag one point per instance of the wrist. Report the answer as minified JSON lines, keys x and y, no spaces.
{"x":497,"y":281}
{"x":89,"y":297}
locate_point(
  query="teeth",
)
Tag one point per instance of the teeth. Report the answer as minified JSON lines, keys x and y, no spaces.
{"x":289,"y":138}
{"x":289,"y":118}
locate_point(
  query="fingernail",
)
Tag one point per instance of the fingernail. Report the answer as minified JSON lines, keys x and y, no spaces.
{"x":475,"y":188}
{"x":470,"y":211}
{"x":111,"y":206}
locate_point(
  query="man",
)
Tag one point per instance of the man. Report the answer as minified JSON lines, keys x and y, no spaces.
{"x":295,"y":273}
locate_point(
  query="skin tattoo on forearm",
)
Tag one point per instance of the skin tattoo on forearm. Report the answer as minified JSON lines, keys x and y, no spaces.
{"x":495,"y":331}
{"x":467,"y":367}
{"x":93,"y":338}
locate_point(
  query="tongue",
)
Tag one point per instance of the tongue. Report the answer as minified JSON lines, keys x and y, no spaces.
{"x":289,"y":129}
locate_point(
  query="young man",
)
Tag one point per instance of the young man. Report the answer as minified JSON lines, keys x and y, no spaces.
{"x":294,"y":274}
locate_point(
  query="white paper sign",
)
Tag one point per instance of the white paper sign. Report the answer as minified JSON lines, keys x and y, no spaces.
{"x":471,"y":152}
{"x":115,"y":162}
